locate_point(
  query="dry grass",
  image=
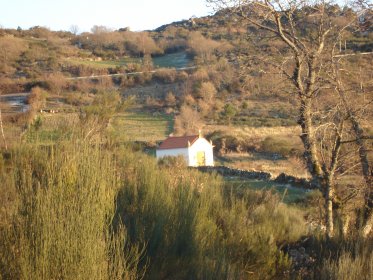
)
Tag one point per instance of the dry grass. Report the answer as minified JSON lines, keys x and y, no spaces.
{"x":254,"y":132}
{"x":12,"y":135}
{"x":104,"y":64}
{"x":56,"y":120}
{"x":154,"y":90}
{"x":250,"y":161}
{"x":261,"y":161}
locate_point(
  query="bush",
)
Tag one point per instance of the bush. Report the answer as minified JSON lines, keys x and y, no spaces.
{"x":77,"y":99}
{"x":84,"y":212}
{"x":280,"y":146}
{"x":229,"y":111}
{"x":340,"y":258}
{"x":348,"y":267}
{"x":37,"y":98}
{"x":172,"y":162}
{"x":165,"y":75}
{"x":60,"y":223}
{"x":227,"y":143}
{"x":196,"y":228}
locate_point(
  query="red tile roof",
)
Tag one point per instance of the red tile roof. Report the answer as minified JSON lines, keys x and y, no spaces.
{"x":173,"y":142}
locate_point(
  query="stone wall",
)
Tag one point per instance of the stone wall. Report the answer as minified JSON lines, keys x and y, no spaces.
{"x":259,"y":175}
{"x":231,"y":172}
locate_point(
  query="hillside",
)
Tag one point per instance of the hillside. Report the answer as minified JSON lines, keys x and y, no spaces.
{"x":235,"y":82}
{"x":284,"y":94}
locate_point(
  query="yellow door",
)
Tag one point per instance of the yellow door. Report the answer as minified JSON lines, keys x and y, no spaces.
{"x":201,"y":160}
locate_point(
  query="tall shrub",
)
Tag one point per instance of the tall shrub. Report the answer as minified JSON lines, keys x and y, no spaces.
{"x":195,"y":227}
{"x":61,"y":228}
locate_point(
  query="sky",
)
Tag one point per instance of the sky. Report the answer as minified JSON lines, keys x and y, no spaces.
{"x":62,"y":14}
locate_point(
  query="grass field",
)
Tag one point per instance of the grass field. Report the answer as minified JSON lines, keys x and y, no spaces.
{"x":53,"y":128}
{"x":138,"y":126}
{"x":174,"y":60}
{"x":287,"y":193}
{"x":123,"y":127}
{"x":262,"y":162}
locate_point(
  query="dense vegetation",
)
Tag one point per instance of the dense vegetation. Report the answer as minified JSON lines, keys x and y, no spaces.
{"x":111,"y":213}
{"x":79,"y":198}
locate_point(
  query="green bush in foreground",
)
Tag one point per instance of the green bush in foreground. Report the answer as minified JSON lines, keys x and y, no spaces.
{"x":77,"y":211}
{"x":60,"y":224}
{"x":348,"y":267}
{"x":195,"y":227}
{"x":342,"y":258}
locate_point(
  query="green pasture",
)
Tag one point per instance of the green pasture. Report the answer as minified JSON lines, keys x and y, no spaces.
{"x":139,"y":126}
{"x":288,"y":194}
{"x":174,"y":60}
{"x":47,"y":129}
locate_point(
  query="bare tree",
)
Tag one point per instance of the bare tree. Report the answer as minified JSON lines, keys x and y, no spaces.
{"x":74,"y":29}
{"x":201,"y":46}
{"x":307,"y":30}
{"x":355,"y":116}
{"x":188,"y":121}
{"x":99,"y":29}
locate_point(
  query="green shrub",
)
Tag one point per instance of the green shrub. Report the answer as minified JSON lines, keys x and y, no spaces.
{"x":283,"y":147}
{"x":81,"y":211}
{"x":170,"y":161}
{"x":60,"y":224}
{"x":224,"y":143}
{"x":229,"y":111}
{"x":194,"y":227}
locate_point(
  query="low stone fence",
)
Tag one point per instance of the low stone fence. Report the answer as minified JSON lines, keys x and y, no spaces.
{"x":227,"y":171}
{"x":259,"y":175}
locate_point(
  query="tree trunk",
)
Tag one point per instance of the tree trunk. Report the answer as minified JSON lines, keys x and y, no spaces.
{"x":359,"y":133}
{"x":309,"y":142}
{"x":368,"y":193}
{"x":323,"y":181}
{"x":364,"y":161}
{"x":329,"y":211}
